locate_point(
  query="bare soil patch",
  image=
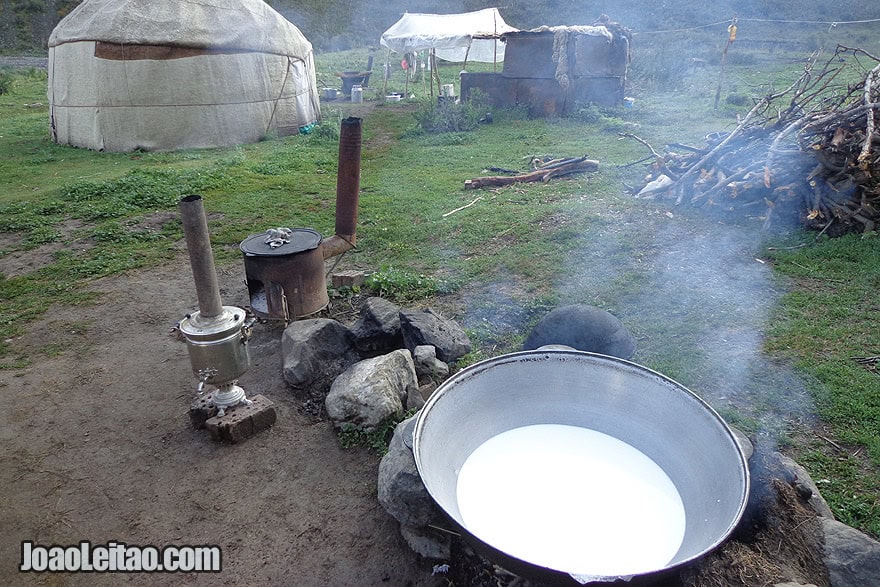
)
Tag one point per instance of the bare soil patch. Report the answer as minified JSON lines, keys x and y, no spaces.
{"x":98,"y":447}
{"x":21,"y":260}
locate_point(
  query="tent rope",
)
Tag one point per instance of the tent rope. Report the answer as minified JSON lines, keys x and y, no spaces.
{"x":280,"y":94}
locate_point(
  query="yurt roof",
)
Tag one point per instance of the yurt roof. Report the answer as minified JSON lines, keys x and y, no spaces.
{"x":235,"y":25}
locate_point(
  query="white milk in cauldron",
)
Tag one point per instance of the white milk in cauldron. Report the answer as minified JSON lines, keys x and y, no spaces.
{"x":571,"y":499}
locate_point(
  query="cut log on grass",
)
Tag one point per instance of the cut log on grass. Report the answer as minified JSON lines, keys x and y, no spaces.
{"x":544,"y":174}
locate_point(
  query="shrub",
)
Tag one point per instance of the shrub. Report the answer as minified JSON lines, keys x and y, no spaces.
{"x":609,"y":118}
{"x":5,"y":81}
{"x":449,"y":116}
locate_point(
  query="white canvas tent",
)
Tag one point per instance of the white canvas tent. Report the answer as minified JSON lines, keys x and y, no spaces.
{"x":453,"y":37}
{"x":174,"y":74}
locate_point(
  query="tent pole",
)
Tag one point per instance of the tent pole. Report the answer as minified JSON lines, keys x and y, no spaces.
{"x":386,"y":70}
{"x":494,"y":44}
{"x":433,"y":64}
{"x":437,"y":73}
{"x":422,"y":73}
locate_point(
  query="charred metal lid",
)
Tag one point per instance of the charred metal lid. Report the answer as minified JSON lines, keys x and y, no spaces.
{"x":270,"y":243}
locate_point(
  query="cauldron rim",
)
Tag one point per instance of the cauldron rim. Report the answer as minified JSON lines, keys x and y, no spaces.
{"x":555,"y":576}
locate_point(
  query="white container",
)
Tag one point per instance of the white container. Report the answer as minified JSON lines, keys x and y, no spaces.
{"x":448,"y":90}
{"x":357,"y":94}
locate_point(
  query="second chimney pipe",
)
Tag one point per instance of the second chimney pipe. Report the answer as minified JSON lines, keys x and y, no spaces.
{"x":348,"y":185}
{"x":201,"y":258}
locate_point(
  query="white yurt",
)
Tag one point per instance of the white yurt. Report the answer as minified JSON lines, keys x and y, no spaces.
{"x":178,"y":74}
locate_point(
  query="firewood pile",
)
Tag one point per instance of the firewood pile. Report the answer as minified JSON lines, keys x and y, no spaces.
{"x":811,"y":151}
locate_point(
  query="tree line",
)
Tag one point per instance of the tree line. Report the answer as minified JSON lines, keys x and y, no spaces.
{"x":25,"y":25}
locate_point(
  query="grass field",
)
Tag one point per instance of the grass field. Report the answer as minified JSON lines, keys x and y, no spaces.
{"x":512,"y":255}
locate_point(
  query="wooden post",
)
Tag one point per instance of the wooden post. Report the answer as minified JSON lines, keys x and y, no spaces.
{"x":730,"y":39}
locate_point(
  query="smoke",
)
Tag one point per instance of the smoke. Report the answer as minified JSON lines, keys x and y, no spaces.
{"x":696,"y":295}
{"x":699,"y":300}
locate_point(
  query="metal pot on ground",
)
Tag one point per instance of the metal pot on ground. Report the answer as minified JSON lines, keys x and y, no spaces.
{"x":629,"y":403}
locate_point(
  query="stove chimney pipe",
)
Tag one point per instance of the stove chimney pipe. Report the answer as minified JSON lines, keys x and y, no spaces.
{"x":198,"y":243}
{"x":216,"y":336}
{"x":348,"y":185}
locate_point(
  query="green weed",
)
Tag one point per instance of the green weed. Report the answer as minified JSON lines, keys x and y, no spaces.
{"x":375,"y":440}
{"x":403,"y":285}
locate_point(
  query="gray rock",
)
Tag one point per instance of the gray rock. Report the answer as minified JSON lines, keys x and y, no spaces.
{"x":427,"y":389}
{"x":401,"y":491}
{"x":852,"y":558}
{"x":372,"y":390}
{"x":428,"y":366}
{"x":804,"y":485}
{"x":794,"y":584}
{"x":743,"y":441}
{"x":377,"y":330}
{"x":585,"y":328}
{"x":428,"y":542}
{"x":414,"y":399}
{"x":425,"y":327}
{"x":314,"y":352}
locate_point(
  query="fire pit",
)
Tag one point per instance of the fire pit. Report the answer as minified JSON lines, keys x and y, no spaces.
{"x":576,"y":467}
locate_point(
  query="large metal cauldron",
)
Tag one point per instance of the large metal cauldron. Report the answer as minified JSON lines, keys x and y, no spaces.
{"x":651,"y":413}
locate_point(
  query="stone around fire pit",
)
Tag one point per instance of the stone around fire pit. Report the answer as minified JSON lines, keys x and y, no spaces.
{"x":585,"y":328}
{"x":428,"y":366}
{"x":372,"y":390}
{"x":314,"y":352}
{"x":401,"y":491}
{"x":428,"y":542}
{"x":852,"y":558}
{"x":803,"y":483}
{"x":377,"y":330}
{"x":743,"y":441}
{"x":425,"y":327}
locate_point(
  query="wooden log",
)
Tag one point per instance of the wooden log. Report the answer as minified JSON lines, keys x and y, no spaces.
{"x":578,"y":166}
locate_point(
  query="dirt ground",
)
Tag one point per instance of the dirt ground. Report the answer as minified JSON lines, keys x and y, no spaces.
{"x":98,"y":446}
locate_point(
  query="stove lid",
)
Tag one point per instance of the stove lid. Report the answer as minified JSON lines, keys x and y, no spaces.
{"x":289,"y":242}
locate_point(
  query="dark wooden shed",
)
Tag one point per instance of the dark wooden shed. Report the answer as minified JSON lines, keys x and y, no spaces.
{"x":551,"y":69}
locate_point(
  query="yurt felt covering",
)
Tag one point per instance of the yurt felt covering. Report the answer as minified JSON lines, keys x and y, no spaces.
{"x":175,"y":74}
